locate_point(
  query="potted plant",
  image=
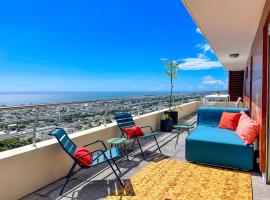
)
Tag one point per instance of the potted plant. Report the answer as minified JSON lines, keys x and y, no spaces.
{"x":173,"y":112}
{"x":172,"y":73}
{"x":166,"y":123}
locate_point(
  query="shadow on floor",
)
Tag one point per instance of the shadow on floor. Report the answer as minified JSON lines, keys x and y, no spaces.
{"x":99,"y":181}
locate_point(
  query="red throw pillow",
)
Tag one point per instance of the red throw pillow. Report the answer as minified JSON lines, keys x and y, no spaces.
{"x":85,"y":160}
{"x":133,"y":131}
{"x":247,"y":129}
{"x":229,"y":120}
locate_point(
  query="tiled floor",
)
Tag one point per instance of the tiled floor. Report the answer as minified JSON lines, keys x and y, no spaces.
{"x":98,"y":182}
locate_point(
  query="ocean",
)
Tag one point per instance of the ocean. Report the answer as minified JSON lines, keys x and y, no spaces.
{"x":28,"y":98}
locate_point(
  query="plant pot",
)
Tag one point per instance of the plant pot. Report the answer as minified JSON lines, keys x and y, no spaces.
{"x":166,"y":125}
{"x":174,"y":116}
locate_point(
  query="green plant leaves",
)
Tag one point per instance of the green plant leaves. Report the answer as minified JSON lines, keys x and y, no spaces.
{"x":165,"y":63}
{"x":169,"y":73}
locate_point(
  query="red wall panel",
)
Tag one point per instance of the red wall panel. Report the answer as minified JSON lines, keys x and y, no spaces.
{"x":257,"y":60}
{"x":254,"y":91}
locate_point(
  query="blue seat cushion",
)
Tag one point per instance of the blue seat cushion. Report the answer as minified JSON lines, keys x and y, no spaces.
{"x":222,"y":147}
{"x":215,"y":135}
{"x":110,"y":153}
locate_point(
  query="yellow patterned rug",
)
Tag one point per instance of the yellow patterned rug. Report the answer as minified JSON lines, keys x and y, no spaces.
{"x":173,"y":180}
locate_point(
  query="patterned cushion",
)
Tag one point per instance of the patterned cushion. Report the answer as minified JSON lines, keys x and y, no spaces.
{"x":229,"y":120}
{"x":247,"y":129}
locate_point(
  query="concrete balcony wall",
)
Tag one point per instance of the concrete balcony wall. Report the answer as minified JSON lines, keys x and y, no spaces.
{"x":27,"y":169}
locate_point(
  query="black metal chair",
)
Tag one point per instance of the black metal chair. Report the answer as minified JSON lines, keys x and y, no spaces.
{"x":99,"y":156}
{"x":125,"y":120}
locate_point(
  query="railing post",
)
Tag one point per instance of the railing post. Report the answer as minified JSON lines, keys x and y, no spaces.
{"x":59,"y":116}
{"x":105,"y":115}
{"x":35,"y":127}
{"x":139,"y":109}
{"x":159,"y":105}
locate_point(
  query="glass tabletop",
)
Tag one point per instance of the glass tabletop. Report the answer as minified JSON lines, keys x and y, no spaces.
{"x":183,"y":126}
{"x":117,"y":140}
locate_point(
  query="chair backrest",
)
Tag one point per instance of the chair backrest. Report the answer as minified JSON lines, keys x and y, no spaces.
{"x":65,"y":142}
{"x":124,"y":120}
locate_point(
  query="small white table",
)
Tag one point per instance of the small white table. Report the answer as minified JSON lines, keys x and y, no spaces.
{"x":220,"y":97}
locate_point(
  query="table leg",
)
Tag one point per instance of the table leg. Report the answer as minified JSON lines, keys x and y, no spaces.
{"x":178,"y":133}
{"x":110,"y":150}
{"x":125,"y":148}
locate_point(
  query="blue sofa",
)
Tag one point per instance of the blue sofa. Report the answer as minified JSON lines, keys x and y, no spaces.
{"x":211,"y":145}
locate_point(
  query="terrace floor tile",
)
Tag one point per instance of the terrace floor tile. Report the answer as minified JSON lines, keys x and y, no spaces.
{"x":98,"y":182}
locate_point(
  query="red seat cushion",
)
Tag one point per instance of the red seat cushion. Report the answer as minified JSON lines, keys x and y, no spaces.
{"x":133,"y":131}
{"x":85,"y":161}
{"x":229,"y":120}
{"x":247,"y":129}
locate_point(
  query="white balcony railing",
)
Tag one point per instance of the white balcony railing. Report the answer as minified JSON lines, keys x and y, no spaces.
{"x":30,"y":168}
{"x":31,"y":124}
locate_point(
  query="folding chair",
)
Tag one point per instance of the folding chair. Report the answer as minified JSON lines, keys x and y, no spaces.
{"x":125,"y":120}
{"x":99,"y":156}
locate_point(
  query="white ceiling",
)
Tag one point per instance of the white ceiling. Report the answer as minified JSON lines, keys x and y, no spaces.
{"x":229,"y":26}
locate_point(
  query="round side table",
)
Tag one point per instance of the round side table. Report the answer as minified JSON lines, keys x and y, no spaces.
{"x":180,"y":127}
{"x":119,"y":141}
{"x":186,"y":127}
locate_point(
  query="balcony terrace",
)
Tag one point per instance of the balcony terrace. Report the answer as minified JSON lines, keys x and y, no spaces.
{"x":99,"y":182}
{"x":43,"y":166}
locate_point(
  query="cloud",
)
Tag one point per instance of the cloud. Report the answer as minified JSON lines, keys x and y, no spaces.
{"x":198,"y":31}
{"x":205,"y":48}
{"x":201,"y":55}
{"x":209,"y":80}
{"x":200,"y":63}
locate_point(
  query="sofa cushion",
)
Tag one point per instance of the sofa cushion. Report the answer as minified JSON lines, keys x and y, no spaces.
{"x":229,"y":120}
{"x":248,"y":129}
{"x":133,"y":131}
{"x":210,"y":116}
{"x":216,"y":135}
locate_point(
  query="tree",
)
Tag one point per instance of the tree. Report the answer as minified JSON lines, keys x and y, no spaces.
{"x":172,"y":73}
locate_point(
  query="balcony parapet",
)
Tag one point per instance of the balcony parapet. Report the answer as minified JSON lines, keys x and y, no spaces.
{"x":45,"y":162}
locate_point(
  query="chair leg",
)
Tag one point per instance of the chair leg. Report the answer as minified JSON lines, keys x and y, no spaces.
{"x":140,"y":148}
{"x":68,"y":177}
{"x":157,"y":144}
{"x":116,"y":165}
{"x":133,"y":143}
{"x":115,"y":173}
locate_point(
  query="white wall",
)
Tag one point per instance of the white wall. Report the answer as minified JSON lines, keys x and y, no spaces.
{"x":27,"y":169}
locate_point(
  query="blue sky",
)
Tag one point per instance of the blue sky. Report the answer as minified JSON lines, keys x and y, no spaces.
{"x":102,"y":46}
